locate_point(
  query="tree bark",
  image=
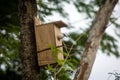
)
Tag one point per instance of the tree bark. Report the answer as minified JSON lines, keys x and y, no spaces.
{"x":27,"y":13}
{"x":98,"y":27}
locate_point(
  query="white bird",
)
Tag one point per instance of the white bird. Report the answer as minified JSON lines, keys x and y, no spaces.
{"x":60,"y":36}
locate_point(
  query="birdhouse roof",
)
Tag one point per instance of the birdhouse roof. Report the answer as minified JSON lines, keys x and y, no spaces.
{"x":59,"y":24}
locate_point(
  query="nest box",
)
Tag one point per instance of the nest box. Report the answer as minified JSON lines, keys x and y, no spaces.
{"x":46,"y":35}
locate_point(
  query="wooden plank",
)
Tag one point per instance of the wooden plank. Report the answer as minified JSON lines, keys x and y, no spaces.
{"x":46,"y":57}
{"x":58,"y":42}
{"x":45,"y":36}
{"x":59,"y":24}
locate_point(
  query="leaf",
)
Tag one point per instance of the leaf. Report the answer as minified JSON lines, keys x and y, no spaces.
{"x":49,"y":67}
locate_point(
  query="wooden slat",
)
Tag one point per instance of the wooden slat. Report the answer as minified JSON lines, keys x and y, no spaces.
{"x":58,"y":42}
{"x":45,"y":58}
{"x":45,"y":36}
{"x":59,"y":24}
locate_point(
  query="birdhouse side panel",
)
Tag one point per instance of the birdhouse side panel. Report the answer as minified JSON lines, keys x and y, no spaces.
{"x":58,"y":42}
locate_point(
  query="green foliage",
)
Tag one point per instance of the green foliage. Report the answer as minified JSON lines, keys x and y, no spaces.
{"x":48,"y":7}
{"x":87,"y":8}
{"x":44,"y":74}
{"x":9,"y":41}
{"x":73,"y":48}
{"x":63,"y":76}
{"x":109,"y":45}
{"x":9,"y":75}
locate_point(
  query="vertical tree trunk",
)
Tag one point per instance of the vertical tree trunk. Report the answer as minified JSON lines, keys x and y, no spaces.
{"x":98,"y":27}
{"x":27,"y":13}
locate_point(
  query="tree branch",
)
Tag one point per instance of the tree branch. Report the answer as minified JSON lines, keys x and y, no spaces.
{"x":98,"y":27}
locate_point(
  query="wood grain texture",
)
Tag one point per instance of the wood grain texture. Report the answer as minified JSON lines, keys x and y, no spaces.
{"x":46,"y":35}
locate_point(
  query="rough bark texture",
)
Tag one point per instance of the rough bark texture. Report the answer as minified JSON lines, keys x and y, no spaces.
{"x":98,"y":27}
{"x":27,"y":13}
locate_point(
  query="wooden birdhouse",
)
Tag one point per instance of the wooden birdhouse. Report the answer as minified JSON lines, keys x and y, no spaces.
{"x":48,"y":35}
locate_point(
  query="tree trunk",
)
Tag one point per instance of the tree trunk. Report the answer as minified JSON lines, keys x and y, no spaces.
{"x":27,"y":13}
{"x":98,"y":27}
